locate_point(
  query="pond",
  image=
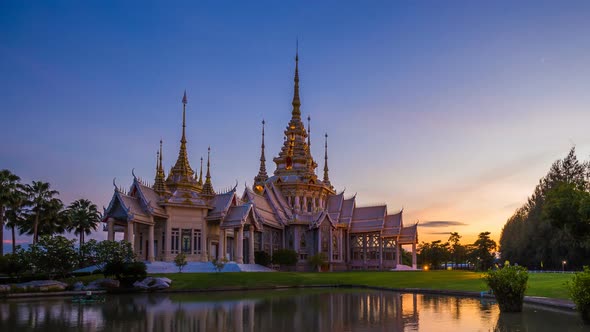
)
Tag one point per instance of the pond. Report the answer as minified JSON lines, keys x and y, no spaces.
{"x":309,"y":310}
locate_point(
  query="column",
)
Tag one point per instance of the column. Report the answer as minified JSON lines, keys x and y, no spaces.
{"x":414,"y":255}
{"x":296,"y":206}
{"x":111,"y":229}
{"x":251,"y":257}
{"x":136,"y":240}
{"x":129,"y":232}
{"x":364,"y":250}
{"x":398,"y":248}
{"x":204,"y":243}
{"x":305,"y":204}
{"x":240,"y":259}
{"x":330,"y":249}
{"x":313,"y":205}
{"x":168,"y":241}
{"x":151,"y":244}
{"x":235,"y":252}
{"x":222,"y":250}
{"x":380,"y":253}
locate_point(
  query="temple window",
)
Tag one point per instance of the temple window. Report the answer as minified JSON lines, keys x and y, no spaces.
{"x":186,"y":241}
{"x":175,"y":240}
{"x":197,"y":241}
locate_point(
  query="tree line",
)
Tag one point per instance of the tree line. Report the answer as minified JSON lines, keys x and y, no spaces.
{"x":552,"y":229}
{"x":479,"y":255}
{"x":35,"y":209}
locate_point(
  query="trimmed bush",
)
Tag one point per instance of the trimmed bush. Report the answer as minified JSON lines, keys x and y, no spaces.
{"x":285,"y":257}
{"x":262,"y":258}
{"x":508,"y":284}
{"x":180,"y":261}
{"x":579,"y":289}
{"x":317,"y":261}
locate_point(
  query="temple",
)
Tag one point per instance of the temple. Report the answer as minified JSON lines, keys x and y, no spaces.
{"x":292,"y":209}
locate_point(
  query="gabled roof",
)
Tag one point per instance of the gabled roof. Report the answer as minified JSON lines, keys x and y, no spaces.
{"x":368,"y":219}
{"x":221,"y":203}
{"x":125,"y":207}
{"x":150,"y":199}
{"x":237,"y":216}
{"x":409,"y":235}
{"x":321,"y":218}
{"x":393,"y":225}
{"x":263,"y":210}
{"x":185,"y":197}
{"x":347,"y":210}
{"x":334,"y":205}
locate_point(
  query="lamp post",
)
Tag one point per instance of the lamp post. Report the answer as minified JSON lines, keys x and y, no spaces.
{"x":563,"y":266}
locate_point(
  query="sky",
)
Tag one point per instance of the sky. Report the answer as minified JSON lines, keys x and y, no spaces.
{"x":450,"y":110}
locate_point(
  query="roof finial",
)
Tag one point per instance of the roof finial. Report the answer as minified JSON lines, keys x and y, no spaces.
{"x":326,"y":178}
{"x":208,"y":187}
{"x":309,"y":131}
{"x":262,"y":176}
{"x":201,"y":173}
{"x":159,"y":182}
{"x":296,"y":102}
{"x":184,"y":101}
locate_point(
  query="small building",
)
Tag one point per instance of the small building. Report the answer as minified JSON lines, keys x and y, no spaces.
{"x":293,"y":209}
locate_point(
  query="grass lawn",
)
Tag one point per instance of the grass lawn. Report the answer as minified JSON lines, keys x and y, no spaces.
{"x":540,"y":284}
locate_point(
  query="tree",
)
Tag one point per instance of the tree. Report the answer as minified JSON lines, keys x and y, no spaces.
{"x":9,"y":185}
{"x":434,"y":253}
{"x":54,"y":255}
{"x":458,"y":251}
{"x":483,"y":252}
{"x":15,"y":213}
{"x":83,"y":217}
{"x":113,"y":252}
{"x":180,"y":261}
{"x":42,"y":202}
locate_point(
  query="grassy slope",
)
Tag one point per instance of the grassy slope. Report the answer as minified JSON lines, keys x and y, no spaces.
{"x":548,"y":285}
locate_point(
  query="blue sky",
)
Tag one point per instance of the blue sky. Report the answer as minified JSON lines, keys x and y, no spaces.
{"x":452,"y":110}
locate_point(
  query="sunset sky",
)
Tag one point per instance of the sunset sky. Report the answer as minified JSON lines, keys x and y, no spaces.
{"x":452,"y":110}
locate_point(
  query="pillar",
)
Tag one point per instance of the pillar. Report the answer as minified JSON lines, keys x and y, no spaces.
{"x":380,"y":253}
{"x":251,"y":257}
{"x":129,"y":232}
{"x":330,"y":249}
{"x":240,"y":258}
{"x":296,"y":206}
{"x":204,"y":243}
{"x":151,"y":246}
{"x":222,"y":250}
{"x":414,"y":255}
{"x":398,"y":248}
{"x":364,"y":250}
{"x":111,"y":229}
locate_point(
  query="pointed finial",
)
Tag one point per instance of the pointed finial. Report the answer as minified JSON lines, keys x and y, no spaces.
{"x":309,"y":131}
{"x":201,"y":173}
{"x":326,"y":177}
{"x":208,"y":186}
{"x":184,"y":99}
{"x":296,"y":102}
{"x":262,"y":176}
{"x":160,"y":155}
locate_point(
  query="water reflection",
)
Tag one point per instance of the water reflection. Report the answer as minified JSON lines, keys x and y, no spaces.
{"x":284,"y":311}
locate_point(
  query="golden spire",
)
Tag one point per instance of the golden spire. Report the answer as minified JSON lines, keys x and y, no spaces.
{"x":201,"y":174}
{"x":159,"y":183}
{"x":181,"y":174}
{"x":326,"y":178}
{"x":208,"y":187}
{"x":309,"y":132}
{"x":296,"y":102}
{"x":262,"y":176}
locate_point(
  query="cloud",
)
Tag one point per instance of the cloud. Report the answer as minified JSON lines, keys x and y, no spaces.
{"x":441,"y":223}
{"x":439,"y":233}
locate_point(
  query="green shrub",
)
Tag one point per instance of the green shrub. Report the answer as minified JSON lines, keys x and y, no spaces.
{"x":579,"y":289}
{"x":508,"y":284}
{"x":262,"y":258}
{"x":127,"y":271}
{"x":180,"y":261}
{"x":317,"y":261}
{"x":286,"y":257}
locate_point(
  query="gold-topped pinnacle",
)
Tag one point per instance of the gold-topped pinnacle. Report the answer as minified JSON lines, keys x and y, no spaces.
{"x":159,"y":182}
{"x":261,"y":178}
{"x":208,"y":186}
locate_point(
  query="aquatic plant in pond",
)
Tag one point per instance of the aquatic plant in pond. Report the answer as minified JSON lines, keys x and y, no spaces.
{"x":508,"y":284}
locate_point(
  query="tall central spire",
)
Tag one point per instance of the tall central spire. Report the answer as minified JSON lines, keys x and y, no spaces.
{"x":261,"y":178}
{"x":326,"y":177}
{"x":296,"y":102}
{"x":181,"y":174}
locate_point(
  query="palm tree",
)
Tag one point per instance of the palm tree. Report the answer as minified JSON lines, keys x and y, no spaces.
{"x":41,"y":200}
{"x":84,"y":218}
{"x":16,"y":213}
{"x":8,"y":186}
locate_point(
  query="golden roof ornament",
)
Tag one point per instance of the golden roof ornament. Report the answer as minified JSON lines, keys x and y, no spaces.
{"x":326,"y":177}
{"x":181,"y":175}
{"x":159,"y":182}
{"x":261,"y":178}
{"x":208,"y":186}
